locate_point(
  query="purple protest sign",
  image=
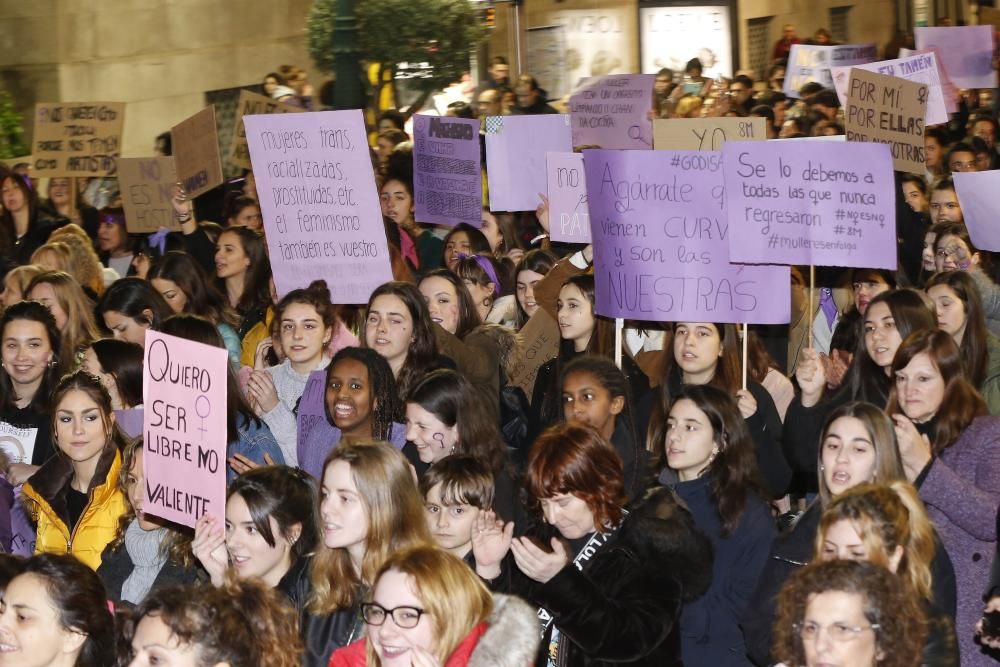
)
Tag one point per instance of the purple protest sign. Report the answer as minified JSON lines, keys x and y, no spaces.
{"x":613,"y":112}
{"x":977,"y":193}
{"x":515,"y":157}
{"x":448,"y":188}
{"x":832,"y":205}
{"x":966,"y":52}
{"x":569,"y":217}
{"x":659,"y":231}
{"x":317,"y":194}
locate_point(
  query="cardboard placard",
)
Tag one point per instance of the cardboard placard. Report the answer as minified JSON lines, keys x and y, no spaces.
{"x":251,"y":103}
{"x":705,"y":134}
{"x":77,"y":138}
{"x":541,"y":343}
{"x":808,"y":62}
{"x":888,"y":110}
{"x":196,"y":152}
{"x":569,"y":217}
{"x":515,"y":157}
{"x":147,"y":185}
{"x":919,"y":68}
{"x":447,"y":176}
{"x":977,"y":193}
{"x":613,"y":111}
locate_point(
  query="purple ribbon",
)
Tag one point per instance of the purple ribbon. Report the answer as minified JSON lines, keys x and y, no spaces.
{"x":487,"y":266}
{"x":158,"y":240}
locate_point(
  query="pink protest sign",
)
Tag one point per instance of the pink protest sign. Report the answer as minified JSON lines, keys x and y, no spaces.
{"x":977,"y":193}
{"x":613,"y":112}
{"x":515,"y":157}
{"x":966,"y":52}
{"x":832,"y":205}
{"x":569,"y":217}
{"x":317,"y":194}
{"x":659,"y":229}
{"x":184,"y":395}
{"x":919,"y":68}
{"x":447,"y":181}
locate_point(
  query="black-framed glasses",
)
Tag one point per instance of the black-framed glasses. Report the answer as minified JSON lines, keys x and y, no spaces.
{"x":403,"y":617}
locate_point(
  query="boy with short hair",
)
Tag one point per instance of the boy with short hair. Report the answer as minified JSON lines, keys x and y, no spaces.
{"x":455,"y":490}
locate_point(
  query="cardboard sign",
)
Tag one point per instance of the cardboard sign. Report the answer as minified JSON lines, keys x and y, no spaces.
{"x":705,"y":134}
{"x":613,"y":111}
{"x":541,"y":343}
{"x":832,"y":205}
{"x":659,"y":231}
{"x":515,"y":157}
{"x":977,"y":193}
{"x":17,"y":443}
{"x":196,"y":152}
{"x":921,"y":68}
{"x":321,"y":209}
{"x":888,"y":110}
{"x":77,"y":138}
{"x":147,"y":185}
{"x":447,"y":180}
{"x":807,"y":62}
{"x":251,"y":103}
{"x":184,"y":396}
{"x":569,"y":217}
{"x":965,"y":51}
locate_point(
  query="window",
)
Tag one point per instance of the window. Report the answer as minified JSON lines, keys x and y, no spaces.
{"x":759,"y":45}
{"x":839,"y":25}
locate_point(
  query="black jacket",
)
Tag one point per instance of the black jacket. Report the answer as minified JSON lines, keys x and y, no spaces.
{"x":116,"y":566}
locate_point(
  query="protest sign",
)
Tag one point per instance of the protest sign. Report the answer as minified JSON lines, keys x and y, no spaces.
{"x":705,"y":134}
{"x":147,"y":185}
{"x":808,"y":62}
{"x":540,"y":336}
{"x":77,"y":138}
{"x":312,"y":405}
{"x":613,"y":111}
{"x":888,"y":110}
{"x":920,"y":68}
{"x":966,"y":52}
{"x":833,"y":205}
{"x":447,"y":180}
{"x":252,"y":104}
{"x":569,"y":217}
{"x":17,"y":443}
{"x":321,"y":209}
{"x":659,"y":230}
{"x":184,"y":396}
{"x":948,"y":89}
{"x":196,"y":152}
{"x":977,"y":193}
{"x":131,"y":420}
{"x":515,"y":157}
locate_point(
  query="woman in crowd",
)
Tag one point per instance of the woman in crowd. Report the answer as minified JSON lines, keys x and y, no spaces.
{"x":500,"y":231}
{"x":485,"y":278}
{"x":846,"y":612}
{"x":24,"y":225}
{"x":74,"y":498}
{"x":118,"y":365}
{"x":951,"y":450}
{"x":244,"y":272}
{"x":529,"y":271}
{"x":53,"y":256}
{"x":84,"y":263}
{"x":427,"y":607}
{"x":116,"y":245}
{"x":954,"y":251}
{"x":914,"y":190}
{"x":420,"y":245}
{"x":65,"y":201}
{"x":243,"y":211}
{"x":131,"y":306}
{"x":615,"y":592}
{"x":16,"y":282}
{"x":55,"y":613}
{"x":462,"y":240}
{"x":72,"y":310}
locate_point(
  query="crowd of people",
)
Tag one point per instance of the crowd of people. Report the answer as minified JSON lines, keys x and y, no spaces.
{"x":840,"y":506}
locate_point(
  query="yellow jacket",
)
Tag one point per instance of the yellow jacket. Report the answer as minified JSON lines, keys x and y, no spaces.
{"x":44,"y":497}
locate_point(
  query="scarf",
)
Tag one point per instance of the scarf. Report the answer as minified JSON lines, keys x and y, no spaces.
{"x":144,"y":548}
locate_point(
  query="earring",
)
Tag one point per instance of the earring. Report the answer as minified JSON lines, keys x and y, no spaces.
{"x":822,"y":467}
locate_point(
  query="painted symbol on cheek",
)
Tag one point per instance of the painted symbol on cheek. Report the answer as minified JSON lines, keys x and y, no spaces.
{"x":439,"y":438}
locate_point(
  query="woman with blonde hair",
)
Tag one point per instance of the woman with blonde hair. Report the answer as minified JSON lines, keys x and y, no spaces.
{"x":72,"y":309}
{"x":85,"y":265}
{"x":53,"y":256}
{"x":15,"y":283}
{"x":429,"y":607}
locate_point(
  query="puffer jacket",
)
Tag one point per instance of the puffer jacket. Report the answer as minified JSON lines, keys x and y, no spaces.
{"x":44,"y":497}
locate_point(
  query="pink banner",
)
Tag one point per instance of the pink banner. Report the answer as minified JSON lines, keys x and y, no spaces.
{"x":966,"y":52}
{"x":977,"y":193}
{"x":613,"y":112}
{"x":320,"y":205}
{"x":569,"y":217}
{"x":515,"y":157}
{"x":184,"y":395}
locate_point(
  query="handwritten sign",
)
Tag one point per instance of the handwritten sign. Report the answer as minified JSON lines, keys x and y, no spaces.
{"x":832,"y":205}
{"x":965,"y":51}
{"x":888,"y":110}
{"x":447,"y":180}
{"x":613,"y":111}
{"x":17,"y":443}
{"x":541,"y":343}
{"x":184,"y":394}
{"x":948,"y":89}
{"x":77,"y":138}
{"x":705,"y":134}
{"x":252,"y":104}
{"x":977,"y":193}
{"x":321,"y":208}
{"x":147,"y":185}
{"x":196,"y":152}
{"x":808,"y":62}
{"x":569,"y":217}
{"x":921,"y":68}
{"x":659,"y":228}
{"x":515,"y":157}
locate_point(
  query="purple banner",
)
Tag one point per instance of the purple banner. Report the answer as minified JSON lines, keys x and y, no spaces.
{"x":569,"y":217}
{"x":515,"y":157}
{"x":810,"y":62}
{"x":966,"y":52}
{"x":613,"y":112}
{"x":977,"y":193}
{"x":447,"y":184}
{"x":832,"y":205}
{"x":321,"y":209}
{"x":659,"y":231}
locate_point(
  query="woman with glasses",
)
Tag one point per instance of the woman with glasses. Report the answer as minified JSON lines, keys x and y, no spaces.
{"x":428,"y":609}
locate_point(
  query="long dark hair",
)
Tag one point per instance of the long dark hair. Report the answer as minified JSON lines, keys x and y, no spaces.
{"x":202,"y":296}
{"x":287,"y":494}
{"x":386,"y":404}
{"x":423,"y":353}
{"x":123,"y":361}
{"x":468,"y":315}
{"x":8,"y":231}
{"x":130,"y":297}
{"x":477,"y":241}
{"x":31,"y":311}
{"x":256,"y":290}
{"x":974,"y":347}
{"x":538,"y":261}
